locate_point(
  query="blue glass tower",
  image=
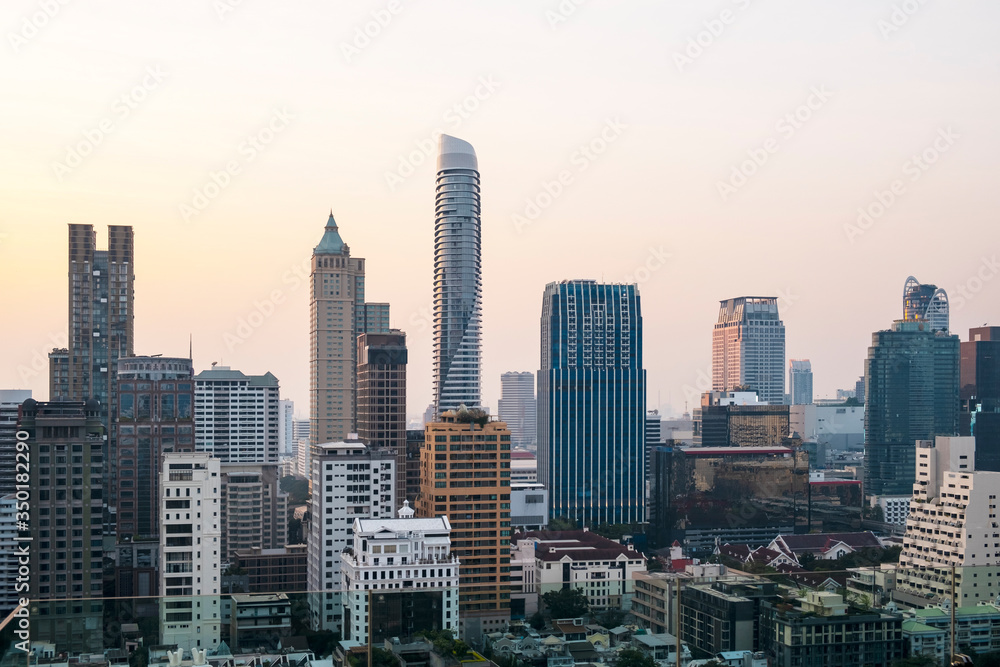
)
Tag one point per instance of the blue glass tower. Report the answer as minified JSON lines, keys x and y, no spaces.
{"x":592,"y":402}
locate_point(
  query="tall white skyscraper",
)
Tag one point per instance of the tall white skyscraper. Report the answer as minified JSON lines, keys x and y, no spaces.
{"x":800,"y":381}
{"x":236,"y":415}
{"x":517,"y":407}
{"x":457,"y":277}
{"x":748,"y":348}
{"x":286,"y":425}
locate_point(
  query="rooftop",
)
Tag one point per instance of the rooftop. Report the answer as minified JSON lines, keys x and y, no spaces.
{"x":554,"y":545}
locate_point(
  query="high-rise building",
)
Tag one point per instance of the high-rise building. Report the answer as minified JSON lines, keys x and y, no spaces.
{"x":592,"y":402}
{"x":517,"y":407}
{"x":465,"y":476}
{"x":859,"y":390}
{"x":66,"y":437}
{"x":190,"y":540}
{"x":927,"y":303}
{"x":254,"y":509}
{"x":59,"y":374}
{"x":979,"y":391}
{"x":748,"y":348}
{"x":457,"y":277}
{"x":911,"y":393}
{"x":349,"y":481}
{"x":382,"y":397}
{"x":8,"y":554}
{"x":727,"y":419}
{"x":800,"y":381}
{"x":10,"y":402}
{"x":338,"y":314}
{"x":155,"y":415}
{"x":411,"y":474}
{"x":286,"y":426}
{"x":236,"y":415}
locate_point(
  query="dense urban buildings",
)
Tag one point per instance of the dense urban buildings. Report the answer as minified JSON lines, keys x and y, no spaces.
{"x":748,"y":348}
{"x":737,"y":419}
{"x":925,"y":303}
{"x":338,"y":313}
{"x":979,"y":392}
{"x":10,"y":402}
{"x":800,"y":381}
{"x":236,"y":415}
{"x":592,"y":402}
{"x":381,"y":398}
{"x":349,"y":481}
{"x":65,"y":445}
{"x":465,"y":476}
{"x":400,"y":577}
{"x":911,"y":393}
{"x":155,"y":415}
{"x":457,"y":277}
{"x":190,"y":540}
{"x":517,"y":407}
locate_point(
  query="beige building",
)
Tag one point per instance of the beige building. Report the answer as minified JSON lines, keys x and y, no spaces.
{"x":465,"y":476}
{"x":254,"y":509}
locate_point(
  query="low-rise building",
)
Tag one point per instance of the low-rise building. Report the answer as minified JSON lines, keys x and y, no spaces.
{"x":976,"y":627}
{"x":724,"y":615}
{"x":259,"y":622}
{"x":272,"y":570}
{"x":654,"y":602}
{"x":529,"y":506}
{"x":661,"y":647}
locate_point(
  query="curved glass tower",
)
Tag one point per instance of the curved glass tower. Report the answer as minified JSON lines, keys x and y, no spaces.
{"x":457,"y":277}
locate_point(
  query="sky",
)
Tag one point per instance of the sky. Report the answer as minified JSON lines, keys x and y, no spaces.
{"x":818,"y":152}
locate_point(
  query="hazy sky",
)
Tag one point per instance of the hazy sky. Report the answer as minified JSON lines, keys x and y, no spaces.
{"x":705,"y":150}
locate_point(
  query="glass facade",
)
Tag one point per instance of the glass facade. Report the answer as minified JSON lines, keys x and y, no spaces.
{"x":592,"y":402}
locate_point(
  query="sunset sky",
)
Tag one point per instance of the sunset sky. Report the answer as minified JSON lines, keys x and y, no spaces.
{"x":706,"y":150}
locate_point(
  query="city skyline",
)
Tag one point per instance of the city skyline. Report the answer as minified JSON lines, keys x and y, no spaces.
{"x":257,"y":232}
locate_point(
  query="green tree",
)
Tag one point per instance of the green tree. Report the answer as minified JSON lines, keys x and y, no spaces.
{"x":296,"y":488}
{"x":612,"y":618}
{"x":654,"y":565}
{"x":537,"y":620}
{"x":631,"y":657}
{"x":566,"y":603}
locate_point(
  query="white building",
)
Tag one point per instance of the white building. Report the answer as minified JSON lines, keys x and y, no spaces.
{"x":895,"y":509}
{"x":953,"y":522}
{"x":236,"y":415}
{"x":523,"y":468}
{"x":748,"y":348}
{"x":190,"y":534}
{"x":838,"y":426}
{"x":800,"y":382}
{"x":600,"y":568}
{"x":517,"y":407}
{"x":349,"y":481}
{"x":8,"y":554}
{"x":286,"y":425}
{"x":406,"y":558}
{"x":529,"y":506}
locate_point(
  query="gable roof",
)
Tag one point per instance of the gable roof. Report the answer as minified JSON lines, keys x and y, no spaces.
{"x":823,"y":542}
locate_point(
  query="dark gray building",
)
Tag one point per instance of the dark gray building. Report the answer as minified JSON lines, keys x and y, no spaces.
{"x":979,"y":393}
{"x":381,"y":401}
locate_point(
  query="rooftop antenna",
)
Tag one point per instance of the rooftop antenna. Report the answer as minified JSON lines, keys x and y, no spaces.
{"x":190,"y":346}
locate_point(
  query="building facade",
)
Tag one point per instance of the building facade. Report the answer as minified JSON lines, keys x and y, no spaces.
{"x":725,"y":421}
{"x":465,"y":476}
{"x":10,"y":403}
{"x":979,"y":393}
{"x":236,"y":415}
{"x":286,"y":425}
{"x":925,"y":303}
{"x":800,"y":381}
{"x":517,"y":407}
{"x":59,"y":374}
{"x":254,"y":508}
{"x":592,"y":402}
{"x":382,"y":397}
{"x":458,"y":281}
{"x":911,"y":393}
{"x":529,"y":506}
{"x":270,"y":570}
{"x":748,"y":348}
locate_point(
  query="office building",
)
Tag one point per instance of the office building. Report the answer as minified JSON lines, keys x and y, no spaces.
{"x":286,"y":425}
{"x":382,"y":397}
{"x":66,"y":562}
{"x":529,"y":506}
{"x":517,"y":408}
{"x":911,"y":393}
{"x":979,"y":393}
{"x":400,"y":578}
{"x":270,"y":570}
{"x":925,"y":303}
{"x":155,"y":415}
{"x":800,"y":381}
{"x":190,"y":540}
{"x":748,"y":348}
{"x":457,"y":277}
{"x":465,"y":476}
{"x":59,"y":374}
{"x":338,"y":315}
{"x":592,"y":403}
{"x":838,"y":427}
{"x":737,"y":419}
{"x":236,"y":415}
{"x":10,"y":402}
{"x":349,"y":481}
{"x":414,"y":443}
{"x":254,"y":509}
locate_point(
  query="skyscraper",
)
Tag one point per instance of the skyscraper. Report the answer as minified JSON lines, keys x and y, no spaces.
{"x":748,"y":348}
{"x":457,"y":279}
{"x":925,"y":302}
{"x":236,"y":415}
{"x":980,"y":395}
{"x":800,"y":381}
{"x":10,"y":401}
{"x":517,"y":407}
{"x":382,"y":398}
{"x":911,"y":393}
{"x":592,"y":402}
{"x":338,"y":314}
{"x":286,"y":428}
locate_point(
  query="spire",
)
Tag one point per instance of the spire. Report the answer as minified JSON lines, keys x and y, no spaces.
{"x":406,"y":512}
{"x":331,"y":244}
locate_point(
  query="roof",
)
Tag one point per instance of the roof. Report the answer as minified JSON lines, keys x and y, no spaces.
{"x":745,"y":451}
{"x":554,"y":545}
{"x":226,"y":373}
{"x":916,"y":626}
{"x":265,"y":598}
{"x":456,"y":153}
{"x":937,"y":612}
{"x":824,"y":541}
{"x":403,"y":525}
{"x":331,"y":243}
